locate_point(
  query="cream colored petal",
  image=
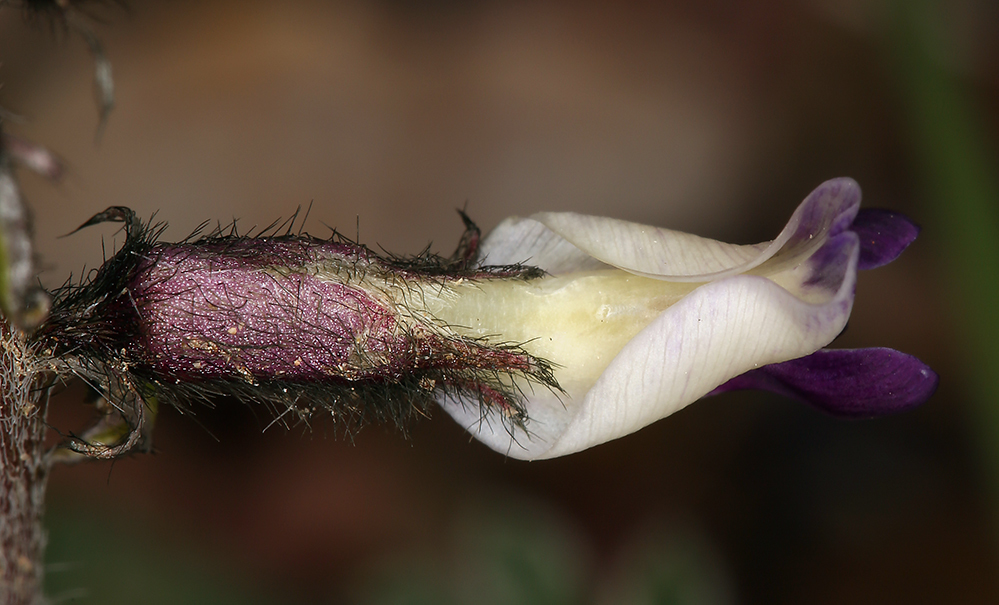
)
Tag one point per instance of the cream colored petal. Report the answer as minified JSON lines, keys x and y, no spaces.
{"x":719,"y":331}
{"x":526,"y":241}
{"x":761,"y":304}
{"x":564,"y":241}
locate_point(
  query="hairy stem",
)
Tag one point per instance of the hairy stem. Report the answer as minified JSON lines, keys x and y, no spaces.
{"x":23,"y":471}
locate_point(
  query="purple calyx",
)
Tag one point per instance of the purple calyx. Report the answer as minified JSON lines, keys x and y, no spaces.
{"x":263,"y":310}
{"x":210,"y":314}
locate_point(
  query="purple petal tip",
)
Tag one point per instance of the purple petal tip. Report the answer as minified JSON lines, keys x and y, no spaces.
{"x":855,"y":383}
{"x":883,"y":236}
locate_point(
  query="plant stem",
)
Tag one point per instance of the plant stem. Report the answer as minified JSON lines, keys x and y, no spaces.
{"x":23,"y":470}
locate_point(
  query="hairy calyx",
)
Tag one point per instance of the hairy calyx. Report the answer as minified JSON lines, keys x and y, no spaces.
{"x":292,"y":321}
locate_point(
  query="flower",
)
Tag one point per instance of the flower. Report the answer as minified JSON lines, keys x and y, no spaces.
{"x":639,"y":322}
{"x":557,"y":333}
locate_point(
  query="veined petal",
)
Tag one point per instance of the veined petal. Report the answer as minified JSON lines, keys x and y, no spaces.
{"x":675,"y":256}
{"x":718,"y":331}
{"x":524,"y":240}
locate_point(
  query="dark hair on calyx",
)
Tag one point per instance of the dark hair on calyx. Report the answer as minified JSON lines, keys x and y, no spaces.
{"x":299,"y":324}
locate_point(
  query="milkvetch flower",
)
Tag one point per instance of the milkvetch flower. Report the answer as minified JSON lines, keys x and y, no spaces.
{"x":557,"y":333}
{"x":639,"y":322}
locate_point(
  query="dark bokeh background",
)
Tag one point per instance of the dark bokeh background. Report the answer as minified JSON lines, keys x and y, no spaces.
{"x":712,"y":117}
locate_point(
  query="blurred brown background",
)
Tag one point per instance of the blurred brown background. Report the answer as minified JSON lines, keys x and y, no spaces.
{"x":711,"y":117}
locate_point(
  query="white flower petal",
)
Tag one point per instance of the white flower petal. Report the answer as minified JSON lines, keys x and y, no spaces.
{"x":796,"y":299}
{"x":572,"y":240}
{"x":719,"y":331}
{"x":522,"y":240}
